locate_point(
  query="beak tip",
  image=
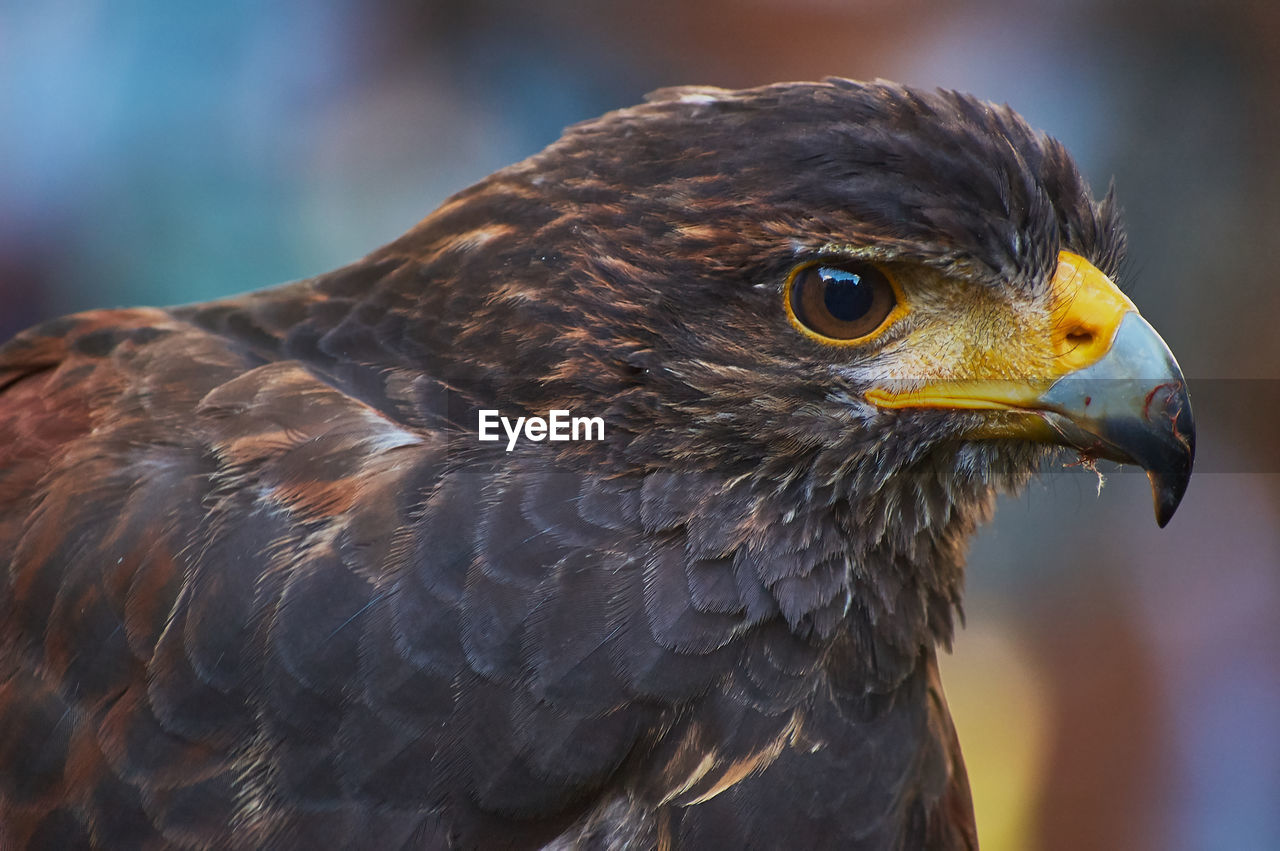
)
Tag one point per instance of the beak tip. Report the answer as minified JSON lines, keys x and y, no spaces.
{"x":1169,"y":484}
{"x":1167,"y":492}
{"x":1166,"y":504}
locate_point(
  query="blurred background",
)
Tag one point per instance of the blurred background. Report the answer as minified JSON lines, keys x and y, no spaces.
{"x":1118,"y":686}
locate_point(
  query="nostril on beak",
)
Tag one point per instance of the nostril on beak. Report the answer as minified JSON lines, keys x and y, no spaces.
{"x":1079,"y":338}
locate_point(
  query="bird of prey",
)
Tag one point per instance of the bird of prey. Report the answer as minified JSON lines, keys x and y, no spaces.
{"x":264,"y":585}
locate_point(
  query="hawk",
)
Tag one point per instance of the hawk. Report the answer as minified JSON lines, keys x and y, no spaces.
{"x":263,"y":585}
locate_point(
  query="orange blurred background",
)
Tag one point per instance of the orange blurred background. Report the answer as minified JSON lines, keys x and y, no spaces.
{"x":1118,"y":686}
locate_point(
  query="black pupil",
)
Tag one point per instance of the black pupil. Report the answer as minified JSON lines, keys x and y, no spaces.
{"x":845,"y":295}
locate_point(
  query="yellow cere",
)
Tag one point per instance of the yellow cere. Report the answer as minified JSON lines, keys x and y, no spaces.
{"x":1012,"y":373}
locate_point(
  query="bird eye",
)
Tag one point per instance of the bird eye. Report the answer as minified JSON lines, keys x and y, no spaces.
{"x":840,"y":303}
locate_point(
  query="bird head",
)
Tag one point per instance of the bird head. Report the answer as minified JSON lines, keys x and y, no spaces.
{"x":841,"y":285}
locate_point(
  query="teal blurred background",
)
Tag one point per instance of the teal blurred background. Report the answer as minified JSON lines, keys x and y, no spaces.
{"x":1118,"y":686}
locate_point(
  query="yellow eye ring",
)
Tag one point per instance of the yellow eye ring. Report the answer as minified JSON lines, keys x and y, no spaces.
{"x":842,"y":302}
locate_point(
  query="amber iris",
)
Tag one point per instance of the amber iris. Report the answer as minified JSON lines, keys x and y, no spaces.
{"x":841,"y":302}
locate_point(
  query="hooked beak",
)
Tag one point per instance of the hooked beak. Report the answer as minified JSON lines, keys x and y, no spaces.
{"x":1132,"y":406}
{"x":1118,"y":392}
